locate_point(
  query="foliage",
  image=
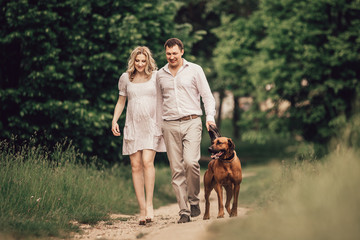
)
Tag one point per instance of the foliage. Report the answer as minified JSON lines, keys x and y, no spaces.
{"x":61,"y":60}
{"x":236,"y":8}
{"x":234,"y":52}
{"x":302,"y":52}
{"x":260,"y":147}
{"x":43,"y":190}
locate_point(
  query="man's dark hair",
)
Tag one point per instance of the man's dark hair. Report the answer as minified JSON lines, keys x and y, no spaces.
{"x":174,"y":41}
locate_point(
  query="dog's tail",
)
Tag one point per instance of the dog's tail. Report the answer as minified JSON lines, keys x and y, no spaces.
{"x":214,"y":132}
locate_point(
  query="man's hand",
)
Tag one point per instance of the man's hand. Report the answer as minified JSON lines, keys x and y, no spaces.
{"x":208,"y":123}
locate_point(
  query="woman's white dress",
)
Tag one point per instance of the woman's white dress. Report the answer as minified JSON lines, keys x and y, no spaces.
{"x":143,"y":123}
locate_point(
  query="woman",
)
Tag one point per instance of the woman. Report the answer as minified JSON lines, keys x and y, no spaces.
{"x":142,"y":131}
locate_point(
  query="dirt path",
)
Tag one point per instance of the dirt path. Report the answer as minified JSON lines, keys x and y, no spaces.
{"x":124,"y":227}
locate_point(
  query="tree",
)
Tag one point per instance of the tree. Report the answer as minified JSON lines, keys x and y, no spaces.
{"x":308,"y":55}
{"x":233,"y":55}
{"x":61,"y":60}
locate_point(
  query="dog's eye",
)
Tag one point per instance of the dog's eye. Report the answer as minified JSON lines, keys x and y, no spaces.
{"x":218,"y":143}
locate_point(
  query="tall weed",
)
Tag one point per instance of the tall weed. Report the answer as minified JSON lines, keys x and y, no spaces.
{"x":42,"y":191}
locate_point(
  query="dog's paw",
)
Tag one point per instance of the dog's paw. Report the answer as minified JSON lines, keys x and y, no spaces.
{"x":228,"y":209}
{"x":206,"y":217}
{"x":233,"y":214}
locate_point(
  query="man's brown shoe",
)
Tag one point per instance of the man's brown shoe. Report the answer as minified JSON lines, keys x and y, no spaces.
{"x":184,"y":218}
{"x":195,"y":210}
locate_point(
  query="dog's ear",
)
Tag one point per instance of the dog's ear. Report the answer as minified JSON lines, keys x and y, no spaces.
{"x":213,"y":132}
{"x":231,"y":144}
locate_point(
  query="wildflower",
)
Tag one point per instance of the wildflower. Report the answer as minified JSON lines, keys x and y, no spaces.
{"x":38,"y":200}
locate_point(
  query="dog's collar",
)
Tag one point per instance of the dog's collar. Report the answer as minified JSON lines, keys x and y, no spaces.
{"x":230,"y":159}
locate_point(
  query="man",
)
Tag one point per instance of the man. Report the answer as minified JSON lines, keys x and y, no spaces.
{"x":180,"y":85}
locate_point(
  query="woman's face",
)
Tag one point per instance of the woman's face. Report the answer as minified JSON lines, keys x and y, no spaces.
{"x":140,"y":63}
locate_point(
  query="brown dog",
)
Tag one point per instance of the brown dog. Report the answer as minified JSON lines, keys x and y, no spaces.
{"x":223,"y":171}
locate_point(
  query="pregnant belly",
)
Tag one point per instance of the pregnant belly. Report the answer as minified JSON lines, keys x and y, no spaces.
{"x":143,"y":111}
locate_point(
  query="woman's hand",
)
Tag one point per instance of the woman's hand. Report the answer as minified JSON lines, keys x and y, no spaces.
{"x":115,"y":129}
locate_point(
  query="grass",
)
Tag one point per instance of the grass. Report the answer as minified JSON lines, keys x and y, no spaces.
{"x":42,"y":191}
{"x":306,"y":200}
{"x":293,"y":193}
{"x":258,"y":148}
{"x":257,"y":188}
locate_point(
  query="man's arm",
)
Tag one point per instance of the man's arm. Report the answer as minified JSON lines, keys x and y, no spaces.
{"x":159,"y":101}
{"x":207,"y":98}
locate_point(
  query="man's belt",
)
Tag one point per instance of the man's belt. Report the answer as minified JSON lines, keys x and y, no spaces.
{"x":185,"y":118}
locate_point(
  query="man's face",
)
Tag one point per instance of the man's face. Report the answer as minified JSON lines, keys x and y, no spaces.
{"x":173,"y":56}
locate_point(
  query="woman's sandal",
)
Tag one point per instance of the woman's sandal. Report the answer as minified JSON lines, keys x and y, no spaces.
{"x":149,"y":219}
{"x":142,"y":221}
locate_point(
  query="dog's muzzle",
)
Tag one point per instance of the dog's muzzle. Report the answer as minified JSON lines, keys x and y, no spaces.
{"x":215,"y":154}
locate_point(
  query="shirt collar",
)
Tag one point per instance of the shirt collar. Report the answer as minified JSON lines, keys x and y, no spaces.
{"x":185,"y":63}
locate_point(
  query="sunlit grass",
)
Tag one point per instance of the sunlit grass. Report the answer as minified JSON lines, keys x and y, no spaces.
{"x":42,"y":191}
{"x":257,"y":187}
{"x":308,"y":200}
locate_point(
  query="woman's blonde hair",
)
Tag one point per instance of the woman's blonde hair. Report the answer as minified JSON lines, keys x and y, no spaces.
{"x":150,"y":62}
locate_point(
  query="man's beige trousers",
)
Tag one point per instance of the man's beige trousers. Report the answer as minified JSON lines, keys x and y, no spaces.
{"x":182,"y":140}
